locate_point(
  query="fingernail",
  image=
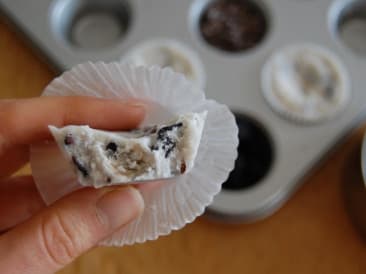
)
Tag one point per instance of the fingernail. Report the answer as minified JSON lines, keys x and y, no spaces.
{"x":120,"y":206}
{"x":137,"y":104}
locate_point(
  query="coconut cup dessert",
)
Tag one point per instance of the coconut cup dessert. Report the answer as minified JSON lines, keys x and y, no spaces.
{"x":203,"y":131}
{"x":306,"y":83}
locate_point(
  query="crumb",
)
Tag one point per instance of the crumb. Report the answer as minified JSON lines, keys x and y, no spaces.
{"x":182,"y":167}
{"x":68,"y":140}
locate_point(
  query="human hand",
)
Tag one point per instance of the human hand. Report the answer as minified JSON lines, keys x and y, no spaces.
{"x":39,"y":239}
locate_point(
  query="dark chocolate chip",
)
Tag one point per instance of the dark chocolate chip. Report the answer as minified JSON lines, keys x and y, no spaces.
{"x":68,"y":140}
{"x":183,"y":168}
{"x":154,"y":147}
{"x":112,"y":146}
{"x":163,"y":131}
{"x":109,"y":180}
{"x":164,"y":141}
{"x":168,"y":146}
{"x":80,"y":166}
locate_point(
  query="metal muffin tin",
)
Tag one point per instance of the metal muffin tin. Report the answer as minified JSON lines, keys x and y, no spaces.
{"x":64,"y":31}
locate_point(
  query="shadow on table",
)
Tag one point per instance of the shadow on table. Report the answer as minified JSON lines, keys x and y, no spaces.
{"x":354,"y":190}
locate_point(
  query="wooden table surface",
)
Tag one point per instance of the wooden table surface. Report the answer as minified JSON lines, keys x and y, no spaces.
{"x":312,"y":233}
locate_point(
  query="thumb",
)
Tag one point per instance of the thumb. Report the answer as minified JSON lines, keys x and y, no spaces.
{"x":62,"y":232}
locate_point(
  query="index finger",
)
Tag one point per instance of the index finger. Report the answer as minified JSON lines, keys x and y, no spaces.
{"x":26,"y":121}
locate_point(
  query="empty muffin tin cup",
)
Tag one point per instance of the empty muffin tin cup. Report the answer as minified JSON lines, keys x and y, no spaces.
{"x":348,"y":21}
{"x":92,"y":24}
{"x":168,"y":53}
{"x":306,"y":83}
{"x":253,"y":164}
{"x":255,"y":155}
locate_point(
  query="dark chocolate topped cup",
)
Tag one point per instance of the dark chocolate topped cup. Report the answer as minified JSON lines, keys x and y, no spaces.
{"x":233,"y":25}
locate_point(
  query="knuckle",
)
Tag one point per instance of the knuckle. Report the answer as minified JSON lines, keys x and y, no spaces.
{"x":59,"y":243}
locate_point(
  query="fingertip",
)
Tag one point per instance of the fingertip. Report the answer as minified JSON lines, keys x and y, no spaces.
{"x":120,"y":206}
{"x":139,"y":200}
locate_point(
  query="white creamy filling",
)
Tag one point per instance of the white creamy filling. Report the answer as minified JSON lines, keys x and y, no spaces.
{"x":307,"y":82}
{"x":102,"y":158}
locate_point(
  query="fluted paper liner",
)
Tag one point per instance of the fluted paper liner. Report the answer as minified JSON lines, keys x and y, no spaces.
{"x":176,"y":201}
{"x":176,"y":49}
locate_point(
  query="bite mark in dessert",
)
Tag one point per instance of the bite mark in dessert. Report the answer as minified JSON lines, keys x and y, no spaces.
{"x":104,"y":158}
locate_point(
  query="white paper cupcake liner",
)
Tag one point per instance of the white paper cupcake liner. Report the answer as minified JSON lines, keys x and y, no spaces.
{"x":155,"y":51}
{"x":312,"y":110}
{"x":176,"y":201}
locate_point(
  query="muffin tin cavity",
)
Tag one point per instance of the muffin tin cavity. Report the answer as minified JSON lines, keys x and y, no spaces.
{"x":94,"y":24}
{"x":168,"y":53}
{"x":349,"y":21}
{"x":255,"y":155}
{"x":233,"y":25}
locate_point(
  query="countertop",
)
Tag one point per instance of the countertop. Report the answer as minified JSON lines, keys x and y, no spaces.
{"x":313,"y":232}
